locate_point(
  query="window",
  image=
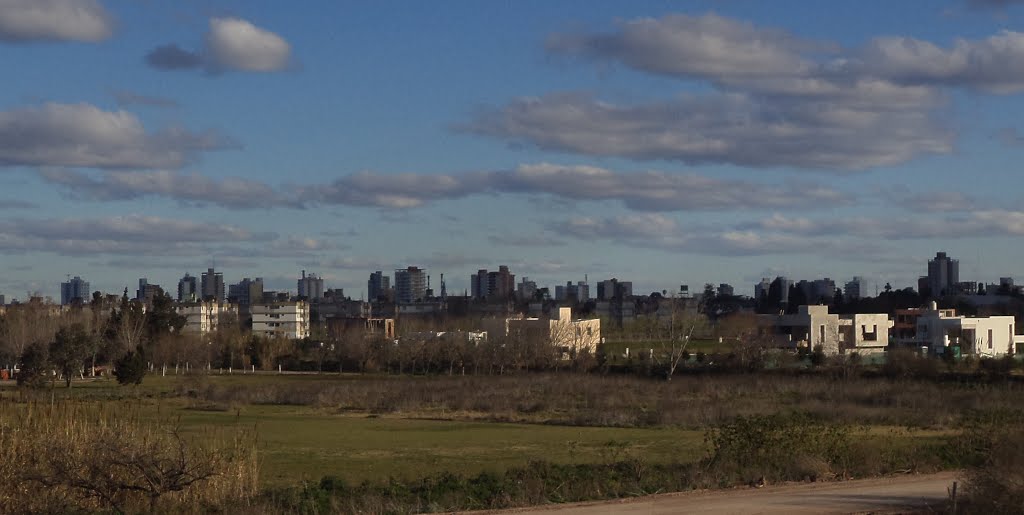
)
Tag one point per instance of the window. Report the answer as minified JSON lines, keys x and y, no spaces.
{"x":989,"y":338}
{"x":869,"y":336}
{"x":821,"y":333}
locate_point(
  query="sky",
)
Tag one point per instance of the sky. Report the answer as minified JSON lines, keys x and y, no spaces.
{"x":658,"y":142}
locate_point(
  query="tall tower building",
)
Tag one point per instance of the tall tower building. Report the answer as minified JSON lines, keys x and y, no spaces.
{"x":377,"y":286}
{"x":212,"y":285}
{"x":855,"y":289}
{"x":246,"y":292}
{"x":311,"y":286}
{"x":74,"y":289}
{"x":943,"y":275}
{"x":410,"y":285}
{"x":500,"y":285}
{"x":187,"y":289}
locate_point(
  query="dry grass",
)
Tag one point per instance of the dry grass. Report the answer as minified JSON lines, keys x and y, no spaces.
{"x":689,"y":401}
{"x":65,"y":456}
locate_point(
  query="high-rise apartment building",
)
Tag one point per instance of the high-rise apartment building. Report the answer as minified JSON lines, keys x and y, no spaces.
{"x":147,"y":292}
{"x":187,"y":289}
{"x":377,"y":286}
{"x":212,"y":285}
{"x":311,"y":287}
{"x":526,"y":289}
{"x":943,"y":275}
{"x":410,"y":285}
{"x":500,"y":285}
{"x":761,"y":288}
{"x":614,"y":289}
{"x":246,"y":292}
{"x":74,"y":289}
{"x":855,"y":288}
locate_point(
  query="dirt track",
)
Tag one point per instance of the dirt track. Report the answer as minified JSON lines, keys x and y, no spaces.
{"x":858,"y":496}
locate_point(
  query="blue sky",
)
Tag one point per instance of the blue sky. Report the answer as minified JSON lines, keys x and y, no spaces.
{"x":660,"y":142}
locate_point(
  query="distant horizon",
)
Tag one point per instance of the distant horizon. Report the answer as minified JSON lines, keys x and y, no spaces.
{"x":662,"y":144}
{"x":285,"y":284}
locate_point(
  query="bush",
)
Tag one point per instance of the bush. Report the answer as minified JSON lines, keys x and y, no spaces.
{"x":777,"y":447}
{"x":908,"y":364}
{"x":86,"y":458}
{"x":818,"y":356}
{"x":131,"y":368}
{"x":35,"y":364}
{"x":994,"y":445}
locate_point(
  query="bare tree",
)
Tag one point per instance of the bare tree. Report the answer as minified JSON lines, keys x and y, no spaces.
{"x":682,"y":325}
{"x":128,"y":325}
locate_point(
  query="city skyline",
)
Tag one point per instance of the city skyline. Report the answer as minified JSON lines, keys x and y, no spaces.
{"x":942,"y":275}
{"x":715,"y":142}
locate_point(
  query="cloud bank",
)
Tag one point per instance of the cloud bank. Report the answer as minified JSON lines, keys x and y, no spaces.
{"x":640,"y":191}
{"x":23,"y":21}
{"x":777,"y":100}
{"x":84,"y":135}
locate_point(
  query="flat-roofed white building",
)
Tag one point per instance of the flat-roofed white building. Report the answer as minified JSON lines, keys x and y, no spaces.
{"x":977,"y":336}
{"x":812,"y":326}
{"x":570,"y":337}
{"x":281,"y":319}
{"x":207,"y":316}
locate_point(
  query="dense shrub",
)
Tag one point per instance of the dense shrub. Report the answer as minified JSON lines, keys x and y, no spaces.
{"x":131,"y":368}
{"x":79,"y":457}
{"x":537,"y":483}
{"x":35,"y":364}
{"x":992,"y":446}
{"x":778,"y":447}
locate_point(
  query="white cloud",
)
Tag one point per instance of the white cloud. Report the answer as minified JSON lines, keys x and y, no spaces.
{"x":694,"y":46}
{"x":779,"y":100}
{"x":230,"y":44}
{"x":123,"y":235}
{"x":236,"y":44}
{"x":87,"y":136}
{"x":734,"y":128}
{"x":54,"y":20}
{"x":189,"y":188}
{"x":981,"y":223}
{"x":640,"y":191}
{"x":395,"y":191}
{"x":994,"y":64}
{"x":643,"y":191}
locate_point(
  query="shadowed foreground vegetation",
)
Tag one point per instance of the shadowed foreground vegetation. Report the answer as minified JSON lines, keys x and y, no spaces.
{"x":66,"y":457}
{"x":691,"y":401}
{"x":386,"y":444}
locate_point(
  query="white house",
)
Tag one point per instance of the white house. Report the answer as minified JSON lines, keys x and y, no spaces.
{"x":977,"y":336}
{"x":570,"y":336}
{"x":814,"y":325}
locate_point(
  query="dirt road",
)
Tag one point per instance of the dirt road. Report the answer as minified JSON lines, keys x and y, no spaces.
{"x":859,"y":496}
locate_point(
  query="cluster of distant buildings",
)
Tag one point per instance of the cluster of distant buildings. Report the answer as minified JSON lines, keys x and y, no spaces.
{"x":932,"y":330}
{"x":507,"y":307}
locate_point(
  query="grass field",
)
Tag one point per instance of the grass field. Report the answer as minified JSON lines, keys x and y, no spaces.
{"x":307,"y":442}
{"x":302,"y":443}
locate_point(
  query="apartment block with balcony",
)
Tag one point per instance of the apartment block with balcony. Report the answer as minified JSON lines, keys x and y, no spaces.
{"x":280,"y":319}
{"x":204,"y":317}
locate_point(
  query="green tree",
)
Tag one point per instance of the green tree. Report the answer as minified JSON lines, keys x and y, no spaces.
{"x":69,"y":349}
{"x":162,"y":318}
{"x":131,"y":368}
{"x":34,"y":364}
